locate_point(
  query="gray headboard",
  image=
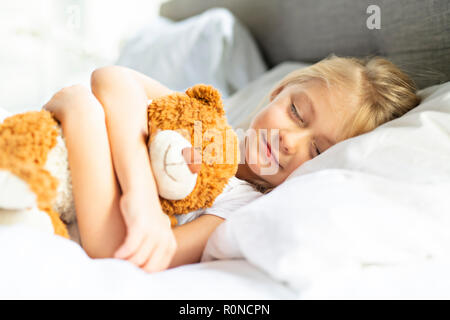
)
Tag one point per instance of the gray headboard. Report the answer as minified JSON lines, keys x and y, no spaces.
{"x":414,"y":34}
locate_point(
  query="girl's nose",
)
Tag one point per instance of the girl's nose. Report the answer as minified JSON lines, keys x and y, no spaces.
{"x":291,"y":141}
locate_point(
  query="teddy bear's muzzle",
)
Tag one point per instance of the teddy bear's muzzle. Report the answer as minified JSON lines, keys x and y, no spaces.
{"x":192,"y":158}
{"x":175,"y":164}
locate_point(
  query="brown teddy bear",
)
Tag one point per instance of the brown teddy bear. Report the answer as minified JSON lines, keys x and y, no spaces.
{"x":35,"y":184}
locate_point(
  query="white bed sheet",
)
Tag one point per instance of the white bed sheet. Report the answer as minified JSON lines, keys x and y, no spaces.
{"x":43,"y":266}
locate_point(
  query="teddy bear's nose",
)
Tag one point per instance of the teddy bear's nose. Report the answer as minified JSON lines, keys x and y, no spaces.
{"x":193,"y":159}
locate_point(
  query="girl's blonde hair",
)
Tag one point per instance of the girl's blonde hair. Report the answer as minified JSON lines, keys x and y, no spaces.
{"x":382,"y":91}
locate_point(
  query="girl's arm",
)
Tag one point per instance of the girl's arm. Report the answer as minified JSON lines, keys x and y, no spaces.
{"x":192,"y":237}
{"x":100,"y":221}
{"x":94,"y":185}
{"x":124,"y":95}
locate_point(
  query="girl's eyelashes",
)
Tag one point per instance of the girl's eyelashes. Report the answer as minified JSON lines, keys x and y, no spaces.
{"x":297,"y":116}
{"x":295,"y":113}
{"x":316,"y":149}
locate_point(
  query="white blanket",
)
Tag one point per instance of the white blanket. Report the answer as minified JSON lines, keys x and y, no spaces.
{"x":36,"y":265}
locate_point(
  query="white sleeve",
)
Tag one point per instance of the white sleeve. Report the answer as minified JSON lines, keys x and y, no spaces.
{"x":236,"y":194}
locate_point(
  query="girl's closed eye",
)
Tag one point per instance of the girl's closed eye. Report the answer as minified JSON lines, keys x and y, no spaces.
{"x":316,"y":149}
{"x":296,"y":114}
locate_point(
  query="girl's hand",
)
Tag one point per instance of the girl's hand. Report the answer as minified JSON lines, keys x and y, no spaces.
{"x":69,"y":98}
{"x":150,"y":243}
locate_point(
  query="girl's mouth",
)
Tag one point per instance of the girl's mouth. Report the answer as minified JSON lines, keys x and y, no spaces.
{"x":269,"y":153}
{"x":268,"y":150}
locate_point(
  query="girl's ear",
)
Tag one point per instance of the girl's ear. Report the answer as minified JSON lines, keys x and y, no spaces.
{"x":275,"y":92}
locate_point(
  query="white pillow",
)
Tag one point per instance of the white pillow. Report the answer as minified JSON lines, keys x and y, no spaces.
{"x":212,"y":48}
{"x":379,"y":201}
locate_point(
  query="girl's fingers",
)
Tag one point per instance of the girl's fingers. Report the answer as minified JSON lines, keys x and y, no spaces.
{"x":154,"y":263}
{"x":130,"y":246}
{"x":141,"y":256}
{"x":159,"y":260}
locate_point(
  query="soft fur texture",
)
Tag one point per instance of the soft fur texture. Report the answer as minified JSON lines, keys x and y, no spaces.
{"x":25,"y":142}
{"x":32,"y":150}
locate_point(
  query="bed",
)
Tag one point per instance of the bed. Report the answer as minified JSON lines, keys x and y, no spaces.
{"x":374,"y":217}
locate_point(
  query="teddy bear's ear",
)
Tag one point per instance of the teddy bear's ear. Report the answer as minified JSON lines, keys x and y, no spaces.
{"x":205,"y":93}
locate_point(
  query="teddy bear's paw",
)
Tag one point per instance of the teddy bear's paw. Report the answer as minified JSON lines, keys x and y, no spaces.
{"x":15,"y":193}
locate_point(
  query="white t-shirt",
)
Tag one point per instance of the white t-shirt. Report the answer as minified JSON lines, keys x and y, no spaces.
{"x":235,"y":194}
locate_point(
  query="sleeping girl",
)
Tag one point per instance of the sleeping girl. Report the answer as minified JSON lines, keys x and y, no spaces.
{"x":114,"y":190}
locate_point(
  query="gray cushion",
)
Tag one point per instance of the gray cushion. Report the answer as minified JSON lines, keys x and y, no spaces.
{"x":414,"y":34}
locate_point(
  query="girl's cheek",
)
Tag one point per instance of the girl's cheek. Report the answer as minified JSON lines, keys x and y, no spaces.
{"x":269,"y":118}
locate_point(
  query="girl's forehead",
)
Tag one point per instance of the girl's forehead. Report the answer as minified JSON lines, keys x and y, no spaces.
{"x":330,"y":104}
{"x":313,"y":86}
{"x":337,"y":99}
{"x":314,"y":91}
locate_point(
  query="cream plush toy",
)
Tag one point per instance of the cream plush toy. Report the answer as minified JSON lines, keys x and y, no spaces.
{"x":35,"y":183}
